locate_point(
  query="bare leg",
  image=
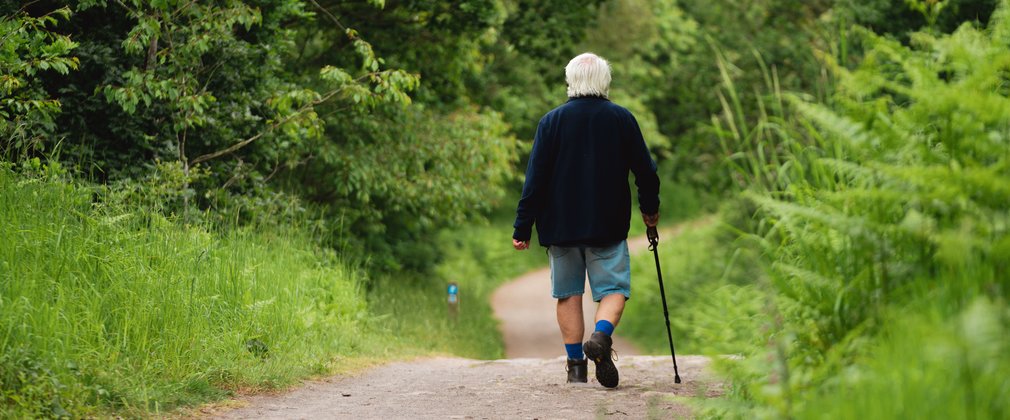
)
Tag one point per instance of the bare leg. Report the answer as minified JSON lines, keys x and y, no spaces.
{"x":610,"y":308}
{"x":570,"y":319}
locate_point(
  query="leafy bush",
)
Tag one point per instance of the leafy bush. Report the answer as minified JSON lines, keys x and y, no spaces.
{"x":415,"y":175}
{"x":28,"y":387}
{"x":29,"y":48}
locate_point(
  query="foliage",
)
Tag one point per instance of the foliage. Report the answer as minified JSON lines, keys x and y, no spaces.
{"x":884,"y":227}
{"x":685,"y":87}
{"x":177,"y":75}
{"x":29,"y":48}
{"x":520,"y":71}
{"x":182,"y":84}
{"x":664,"y":56}
{"x":417,"y":172}
{"x":940,"y":366}
{"x":903,"y":18}
{"x":268,"y":99}
{"x":444,"y":40}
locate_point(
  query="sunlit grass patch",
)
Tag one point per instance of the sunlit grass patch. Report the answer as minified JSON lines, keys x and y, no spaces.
{"x":104,"y":307}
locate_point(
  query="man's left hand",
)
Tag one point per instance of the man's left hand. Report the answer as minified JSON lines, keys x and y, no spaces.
{"x":520,"y":245}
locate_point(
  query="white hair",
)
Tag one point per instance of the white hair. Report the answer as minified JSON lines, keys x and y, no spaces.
{"x":588,"y":75}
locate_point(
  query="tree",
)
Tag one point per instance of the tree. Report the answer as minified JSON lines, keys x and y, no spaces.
{"x":28,"y":49}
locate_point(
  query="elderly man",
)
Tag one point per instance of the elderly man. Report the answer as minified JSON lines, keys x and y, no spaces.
{"x":577,"y":195}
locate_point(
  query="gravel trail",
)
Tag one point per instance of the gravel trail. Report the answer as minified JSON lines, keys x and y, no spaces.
{"x":450,"y":388}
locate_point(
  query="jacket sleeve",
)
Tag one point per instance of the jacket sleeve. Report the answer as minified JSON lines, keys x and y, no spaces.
{"x":538,"y":173}
{"x":644,"y":169}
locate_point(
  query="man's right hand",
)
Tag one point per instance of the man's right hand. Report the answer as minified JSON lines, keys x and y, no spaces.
{"x":520,"y":245}
{"x":651,"y":220}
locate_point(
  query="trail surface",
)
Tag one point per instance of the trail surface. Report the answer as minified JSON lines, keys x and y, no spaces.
{"x":445,"y":388}
{"x":528,"y":385}
{"x":527,"y":311}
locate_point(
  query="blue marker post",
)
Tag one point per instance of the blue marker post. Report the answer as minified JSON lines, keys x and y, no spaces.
{"x":453,"y":300}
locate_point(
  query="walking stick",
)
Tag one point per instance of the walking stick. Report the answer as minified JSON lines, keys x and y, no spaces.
{"x":653,"y":242}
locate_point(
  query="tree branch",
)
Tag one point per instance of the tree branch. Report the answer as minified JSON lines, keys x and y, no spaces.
{"x":333,"y":18}
{"x":235,"y":147}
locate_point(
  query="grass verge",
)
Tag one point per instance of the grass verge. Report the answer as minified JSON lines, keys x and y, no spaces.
{"x":414,"y":308}
{"x":108,"y":309}
{"x":709,"y":292}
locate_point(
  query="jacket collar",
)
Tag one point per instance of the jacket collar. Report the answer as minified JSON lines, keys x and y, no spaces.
{"x":572,"y":98}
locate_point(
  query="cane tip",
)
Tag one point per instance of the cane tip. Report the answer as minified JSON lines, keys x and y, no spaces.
{"x":676,"y":379}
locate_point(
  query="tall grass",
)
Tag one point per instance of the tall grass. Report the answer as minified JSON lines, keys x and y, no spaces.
{"x":478,"y":258}
{"x":106,"y":308}
{"x":709,"y":289}
{"x":884,"y":230}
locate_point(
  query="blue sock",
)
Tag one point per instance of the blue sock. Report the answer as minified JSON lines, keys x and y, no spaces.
{"x":605,"y":327}
{"x":575,"y":351}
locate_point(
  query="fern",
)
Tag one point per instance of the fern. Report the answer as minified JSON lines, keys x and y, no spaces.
{"x":891,"y":198}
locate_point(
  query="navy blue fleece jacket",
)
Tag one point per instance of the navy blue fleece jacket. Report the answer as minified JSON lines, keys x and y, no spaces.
{"x":576,"y":190}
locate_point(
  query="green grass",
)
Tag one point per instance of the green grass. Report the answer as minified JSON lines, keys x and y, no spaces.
{"x":109,"y":309}
{"x":709,"y":293}
{"x":478,"y":258}
{"x":930,"y":365}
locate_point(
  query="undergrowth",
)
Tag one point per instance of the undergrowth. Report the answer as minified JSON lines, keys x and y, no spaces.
{"x":106,"y":308}
{"x":710,"y":292}
{"x":881,"y":227}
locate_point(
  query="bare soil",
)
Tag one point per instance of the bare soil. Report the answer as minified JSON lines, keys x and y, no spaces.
{"x":530,"y":384}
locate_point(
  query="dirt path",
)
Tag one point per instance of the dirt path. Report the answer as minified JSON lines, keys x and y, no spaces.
{"x":527,"y":311}
{"x":501,"y":389}
{"x":530,"y":384}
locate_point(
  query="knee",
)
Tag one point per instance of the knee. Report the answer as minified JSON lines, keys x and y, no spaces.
{"x":570,"y":304}
{"x":569,"y":298}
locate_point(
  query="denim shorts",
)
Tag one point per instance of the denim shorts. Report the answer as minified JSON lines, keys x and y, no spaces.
{"x":609,"y":270}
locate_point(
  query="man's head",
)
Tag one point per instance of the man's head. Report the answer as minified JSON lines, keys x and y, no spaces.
{"x":588,"y":75}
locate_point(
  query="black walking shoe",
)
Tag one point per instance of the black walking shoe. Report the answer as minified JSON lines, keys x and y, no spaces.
{"x":599,"y":349}
{"x":577,"y":371}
